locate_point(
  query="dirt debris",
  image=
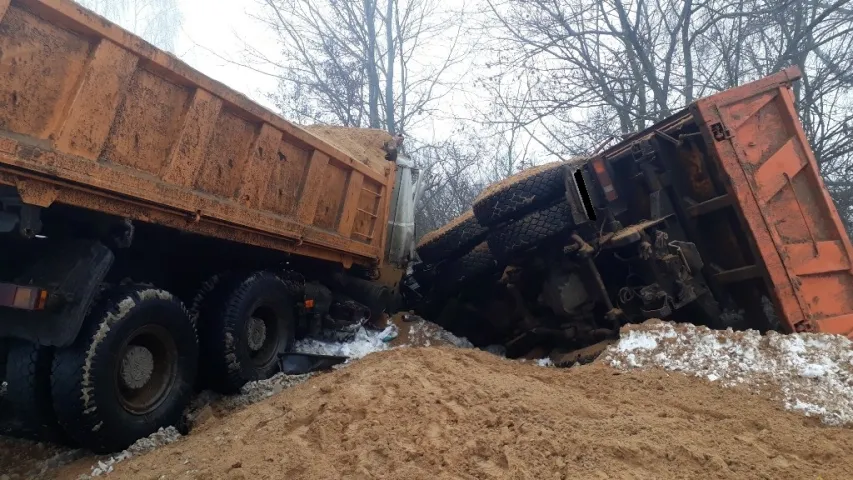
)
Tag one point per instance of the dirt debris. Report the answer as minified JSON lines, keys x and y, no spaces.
{"x":438,"y":232}
{"x":461,"y":413}
{"x":20,"y":459}
{"x":208,"y":408}
{"x":809,"y":373}
{"x":464,"y":413}
{"x":362,"y":144}
{"x":414,"y":331}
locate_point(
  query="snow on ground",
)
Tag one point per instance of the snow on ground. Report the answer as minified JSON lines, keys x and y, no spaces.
{"x":414,"y":332}
{"x":810,"y":373}
{"x":164,"y":436}
{"x":425,"y":334}
{"x":545,"y":362}
{"x":364,"y":343}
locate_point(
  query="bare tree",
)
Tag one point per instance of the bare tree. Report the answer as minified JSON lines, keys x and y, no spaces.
{"x":450,"y":181}
{"x":374,"y":63}
{"x":157,"y":21}
{"x":595,"y":69}
{"x":360,"y":63}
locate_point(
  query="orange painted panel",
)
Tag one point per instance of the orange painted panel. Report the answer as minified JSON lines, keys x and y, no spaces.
{"x":147,"y":123}
{"x":226,"y":155}
{"x":196,"y":130}
{"x":115,"y":125}
{"x":288,"y":172}
{"x":93,"y":108}
{"x":315,"y":188}
{"x":329,"y":204}
{"x":40,"y":65}
{"x":760,"y":144}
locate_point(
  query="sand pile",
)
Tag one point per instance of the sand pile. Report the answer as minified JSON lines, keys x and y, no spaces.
{"x":459,"y":413}
{"x":208,"y":407}
{"x":362,"y":144}
{"x":808,"y":373}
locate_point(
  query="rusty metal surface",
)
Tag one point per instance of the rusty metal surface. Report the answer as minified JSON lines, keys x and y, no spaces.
{"x":93,"y":116}
{"x":754,"y":132}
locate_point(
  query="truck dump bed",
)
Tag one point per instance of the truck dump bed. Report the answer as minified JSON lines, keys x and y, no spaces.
{"x":92,"y":116}
{"x":755,"y":203}
{"x":776,"y":182}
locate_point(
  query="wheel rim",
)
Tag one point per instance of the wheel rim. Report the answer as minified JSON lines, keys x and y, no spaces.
{"x":263,"y":336}
{"x":146,"y":370}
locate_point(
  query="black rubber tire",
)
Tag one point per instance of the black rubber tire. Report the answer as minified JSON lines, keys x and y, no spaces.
{"x":471,"y":266}
{"x":520,"y":194}
{"x":452,"y":240}
{"x":530,"y":230}
{"x":28,"y":397}
{"x":223,"y":323}
{"x":202,"y":296}
{"x":85,"y":376}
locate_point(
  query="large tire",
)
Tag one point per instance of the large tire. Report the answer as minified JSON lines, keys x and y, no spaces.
{"x":28,"y":397}
{"x":130,"y":372}
{"x":244,"y":327}
{"x":471,"y":266}
{"x":519,"y":194}
{"x":530,"y":230}
{"x":451,"y":240}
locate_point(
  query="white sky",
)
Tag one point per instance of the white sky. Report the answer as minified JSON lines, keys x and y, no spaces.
{"x":222,"y":26}
{"x":215,"y":30}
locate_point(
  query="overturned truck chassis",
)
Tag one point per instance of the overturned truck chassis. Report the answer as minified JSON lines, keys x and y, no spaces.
{"x":657,"y":237}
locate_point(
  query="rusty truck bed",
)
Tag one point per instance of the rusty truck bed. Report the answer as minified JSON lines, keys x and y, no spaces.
{"x":755,"y":161}
{"x":92,"y":116}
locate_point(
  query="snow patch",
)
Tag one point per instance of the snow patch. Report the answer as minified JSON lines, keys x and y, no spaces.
{"x":809,"y":373}
{"x":161,"y":437}
{"x":364,"y":343}
{"x":545,"y":362}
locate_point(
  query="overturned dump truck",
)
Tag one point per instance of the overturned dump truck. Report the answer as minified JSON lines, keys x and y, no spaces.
{"x":716,"y":216}
{"x":160,"y":232}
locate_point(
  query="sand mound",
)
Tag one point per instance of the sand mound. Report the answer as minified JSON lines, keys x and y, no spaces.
{"x":449,"y":413}
{"x":362,"y":144}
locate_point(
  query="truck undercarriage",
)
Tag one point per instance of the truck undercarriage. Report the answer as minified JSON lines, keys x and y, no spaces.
{"x":680,"y":221}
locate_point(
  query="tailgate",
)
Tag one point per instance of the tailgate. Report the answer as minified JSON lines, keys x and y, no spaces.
{"x":757,"y":138}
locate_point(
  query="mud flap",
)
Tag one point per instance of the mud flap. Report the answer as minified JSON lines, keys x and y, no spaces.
{"x":72,"y":272}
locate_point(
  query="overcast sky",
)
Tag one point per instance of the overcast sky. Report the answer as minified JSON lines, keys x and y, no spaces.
{"x":213,"y":28}
{"x":213,"y":32}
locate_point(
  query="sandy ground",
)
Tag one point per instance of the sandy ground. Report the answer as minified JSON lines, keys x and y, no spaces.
{"x":666,"y":402}
{"x":450,"y":413}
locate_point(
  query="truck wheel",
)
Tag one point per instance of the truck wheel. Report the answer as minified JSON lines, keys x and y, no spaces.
{"x":530,"y":230}
{"x":519,"y":194}
{"x":130,"y":372}
{"x":28,"y":392}
{"x":460,"y":234}
{"x":244,"y":327}
{"x":474,"y":264}
{"x":202,"y":296}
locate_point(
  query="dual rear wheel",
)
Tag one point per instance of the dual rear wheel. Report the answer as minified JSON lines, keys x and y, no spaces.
{"x":133,"y":366}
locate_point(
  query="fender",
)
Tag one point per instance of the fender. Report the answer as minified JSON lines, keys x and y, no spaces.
{"x":72,"y":272}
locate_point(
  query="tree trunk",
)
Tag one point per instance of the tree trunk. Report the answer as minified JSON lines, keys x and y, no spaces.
{"x":372,"y":73}
{"x":390,"y":119}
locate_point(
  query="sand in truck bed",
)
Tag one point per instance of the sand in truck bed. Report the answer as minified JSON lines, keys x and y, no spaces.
{"x":362,"y":144}
{"x":443,"y":413}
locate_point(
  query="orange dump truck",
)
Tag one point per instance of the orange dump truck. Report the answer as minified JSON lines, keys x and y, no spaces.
{"x":159,"y":231}
{"x":717,"y":215}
